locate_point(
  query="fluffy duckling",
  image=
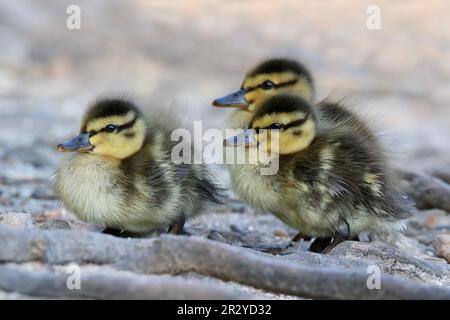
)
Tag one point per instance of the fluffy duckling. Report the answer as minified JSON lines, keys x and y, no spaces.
{"x":284,"y":76}
{"x":270,"y":77}
{"x":332,"y":181}
{"x":122,"y":176}
{"x":278,"y":76}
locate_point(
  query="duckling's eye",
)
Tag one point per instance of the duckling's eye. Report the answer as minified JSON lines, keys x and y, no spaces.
{"x":110,"y":128}
{"x":275,"y":126}
{"x":267,"y":85}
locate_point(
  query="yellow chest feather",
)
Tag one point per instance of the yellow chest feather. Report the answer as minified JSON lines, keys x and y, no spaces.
{"x":90,"y":187}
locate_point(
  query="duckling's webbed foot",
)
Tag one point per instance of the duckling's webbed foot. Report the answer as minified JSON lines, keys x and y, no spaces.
{"x":336,"y":240}
{"x":325,"y":245}
{"x":120,"y":233}
{"x":319,"y":245}
{"x":178,"y":227}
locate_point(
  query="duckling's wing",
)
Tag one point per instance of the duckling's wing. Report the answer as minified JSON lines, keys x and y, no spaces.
{"x":396,"y":202}
{"x":336,"y":186}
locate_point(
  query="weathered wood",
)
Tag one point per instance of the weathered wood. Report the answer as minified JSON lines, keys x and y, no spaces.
{"x":113,"y":286}
{"x":175,"y":255}
{"x":179,"y":254}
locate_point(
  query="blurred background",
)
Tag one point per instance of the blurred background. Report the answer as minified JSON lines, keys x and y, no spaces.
{"x":183,"y":54}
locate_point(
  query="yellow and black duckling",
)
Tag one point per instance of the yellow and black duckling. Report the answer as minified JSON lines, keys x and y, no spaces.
{"x":122,"y":176}
{"x":271,"y":77}
{"x":332,"y":182}
{"x":284,"y":76}
{"x":278,"y":76}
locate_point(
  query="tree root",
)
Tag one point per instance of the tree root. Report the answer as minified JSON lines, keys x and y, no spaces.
{"x":174,"y":255}
{"x":179,"y":254}
{"x":112,"y":286}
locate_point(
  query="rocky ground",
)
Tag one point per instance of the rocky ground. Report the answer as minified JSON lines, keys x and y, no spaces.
{"x":182,"y":55}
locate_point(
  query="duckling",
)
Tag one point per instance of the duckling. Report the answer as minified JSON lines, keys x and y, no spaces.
{"x":121,"y":176}
{"x":270,"y":77}
{"x":280,"y":76}
{"x":276,"y":76}
{"x":332,"y":182}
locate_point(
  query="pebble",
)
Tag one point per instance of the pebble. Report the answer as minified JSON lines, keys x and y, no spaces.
{"x":216,"y":236}
{"x":17,"y":219}
{"x":237,"y":229}
{"x":427,"y":192}
{"x":55,"y":224}
{"x":281,"y":233}
{"x":443,"y":174}
{"x":442,"y":245}
{"x":43,"y":193}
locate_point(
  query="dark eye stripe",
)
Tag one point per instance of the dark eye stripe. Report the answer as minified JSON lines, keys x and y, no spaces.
{"x":127,"y":125}
{"x":295,"y":123}
{"x":284,"y":126}
{"x":285,"y":84}
{"x":269,"y":127}
{"x":279,"y":85}
{"x":119,"y":128}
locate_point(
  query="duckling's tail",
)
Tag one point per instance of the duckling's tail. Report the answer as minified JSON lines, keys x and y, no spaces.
{"x":209,"y":190}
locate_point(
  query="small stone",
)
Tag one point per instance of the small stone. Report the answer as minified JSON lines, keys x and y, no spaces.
{"x":43,"y":193}
{"x":425,"y":220}
{"x":281,"y":233}
{"x":17,"y":219}
{"x":442,"y":245}
{"x":428,"y":192}
{"x":56,"y":224}
{"x":400,"y":241}
{"x":237,"y":229}
{"x":237,"y":206}
{"x":216,"y":236}
{"x":393,"y":261}
{"x":431,"y":221}
{"x":6,"y":201}
{"x":25,"y":192}
{"x":443,"y":174}
{"x":48,"y":215}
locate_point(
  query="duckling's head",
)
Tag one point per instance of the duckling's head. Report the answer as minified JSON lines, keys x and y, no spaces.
{"x":267,"y":79}
{"x":112,"y":128}
{"x":286,"y":120}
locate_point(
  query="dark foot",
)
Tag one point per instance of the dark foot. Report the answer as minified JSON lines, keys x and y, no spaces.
{"x":336,"y":240}
{"x":344,"y":230}
{"x":324,"y":245}
{"x":178,"y":227}
{"x":344,"y":234}
{"x":120,"y":233}
{"x":319,"y":245}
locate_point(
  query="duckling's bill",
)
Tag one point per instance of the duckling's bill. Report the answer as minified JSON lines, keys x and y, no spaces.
{"x":79,"y":144}
{"x":245,"y":138}
{"x":232,"y":100}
